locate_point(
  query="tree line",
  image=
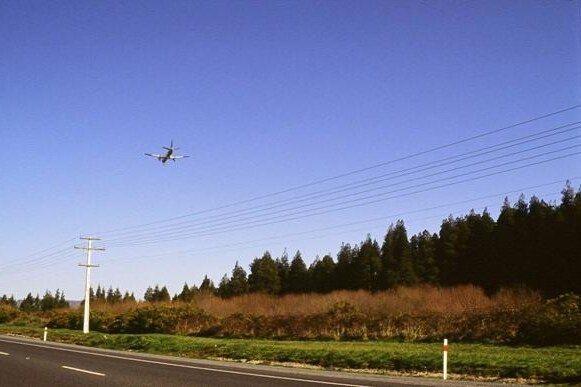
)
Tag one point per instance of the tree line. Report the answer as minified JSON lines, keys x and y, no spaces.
{"x":534,"y":245}
{"x":35,"y":304}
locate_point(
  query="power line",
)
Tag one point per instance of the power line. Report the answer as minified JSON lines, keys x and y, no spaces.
{"x":370,"y":181}
{"x":161,"y":231}
{"x":336,"y":177}
{"x":366,"y":221}
{"x":170,"y":236}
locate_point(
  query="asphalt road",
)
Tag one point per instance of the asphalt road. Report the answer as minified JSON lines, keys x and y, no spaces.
{"x":26,"y":362}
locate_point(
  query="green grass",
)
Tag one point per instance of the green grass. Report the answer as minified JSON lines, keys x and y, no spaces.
{"x":550,"y":364}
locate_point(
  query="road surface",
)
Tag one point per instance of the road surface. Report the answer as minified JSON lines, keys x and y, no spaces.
{"x":27,"y":362}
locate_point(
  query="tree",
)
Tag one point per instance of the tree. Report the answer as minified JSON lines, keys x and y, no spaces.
{"x":163,"y":295}
{"x":366,"y":266}
{"x":345,"y":258}
{"x":60,"y":301}
{"x":149,"y":296}
{"x":396,"y":262}
{"x":156,"y":294}
{"x":128,"y":297}
{"x":114,"y":296}
{"x":207,"y":286}
{"x":224,"y":287}
{"x":238,"y":281}
{"x":322,"y":273}
{"x":30,"y":304}
{"x":264,"y":275}
{"x":8,"y":301}
{"x":186,"y":295}
{"x":474,"y":265}
{"x":47,"y":302}
{"x":283,"y":272}
{"x":100,"y":295}
{"x":298,"y":276}
{"x":423,"y":253}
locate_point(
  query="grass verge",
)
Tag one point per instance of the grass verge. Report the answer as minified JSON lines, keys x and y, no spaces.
{"x":544,"y":364}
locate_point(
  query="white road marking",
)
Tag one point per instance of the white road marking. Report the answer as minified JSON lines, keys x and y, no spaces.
{"x":81,"y":370}
{"x":188,"y":366}
{"x":4,"y":353}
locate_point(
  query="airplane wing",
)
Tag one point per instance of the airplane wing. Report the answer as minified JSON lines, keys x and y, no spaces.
{"x":154,"y":155}
{"x":178,"y":157}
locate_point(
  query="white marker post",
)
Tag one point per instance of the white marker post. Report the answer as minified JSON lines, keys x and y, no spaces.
{"x":445,"y":359}
{"x":45,"y":333}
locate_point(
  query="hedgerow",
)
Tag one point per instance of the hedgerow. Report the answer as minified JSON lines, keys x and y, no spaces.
{"x":511,"y":318}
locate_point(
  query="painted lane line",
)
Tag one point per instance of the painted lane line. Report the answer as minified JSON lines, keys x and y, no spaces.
{"x":81,"y":370}
{"x":178,"y":365}
{"x":4,"y":353}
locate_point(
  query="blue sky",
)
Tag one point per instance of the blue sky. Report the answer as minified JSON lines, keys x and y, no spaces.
{"x":277,"y":103}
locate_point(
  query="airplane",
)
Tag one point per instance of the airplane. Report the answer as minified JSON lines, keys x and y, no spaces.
{"x":169,"y":155}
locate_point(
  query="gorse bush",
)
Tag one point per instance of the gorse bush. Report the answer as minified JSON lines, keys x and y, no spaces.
{"x":557,"y":322}
{"x":407,"y":314}
{"x":8,"y":313}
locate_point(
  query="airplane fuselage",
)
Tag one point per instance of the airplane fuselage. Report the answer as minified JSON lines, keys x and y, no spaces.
{"x":169,"y":154}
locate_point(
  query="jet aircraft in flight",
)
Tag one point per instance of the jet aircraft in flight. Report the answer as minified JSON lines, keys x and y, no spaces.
{"x":169,"y":154}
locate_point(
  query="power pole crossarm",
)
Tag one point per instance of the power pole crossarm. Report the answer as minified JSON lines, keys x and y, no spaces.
{"x":89,"y":249}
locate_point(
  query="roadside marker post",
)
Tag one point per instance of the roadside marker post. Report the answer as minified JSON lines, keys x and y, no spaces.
{"x":445,"y":359}
{"x":45,"y":333}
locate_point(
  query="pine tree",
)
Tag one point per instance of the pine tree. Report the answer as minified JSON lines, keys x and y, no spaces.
{"x":322,"y":274}
{"x":423,"y":253}
{"x":283,"y":272}
{"x":60,"y":301}
{"x":149,"y":295}
{"x":298,"y":277}
{"x":30,"y":303}
{"x":128,"y":297}
{"x":344,"y":268}
{"x":224,"y":287}
{"x":186,"y":295}
{"x":366,"y":266}
{"x":207,"y":286}
{"x":264,"y":275}
{"x":8,"y":301}
{"x":163,"y":295}
{"x":396,"y":261}
{"x":47,"y":302}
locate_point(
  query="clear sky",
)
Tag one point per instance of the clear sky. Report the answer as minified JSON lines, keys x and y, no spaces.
{"x":309,"y":124}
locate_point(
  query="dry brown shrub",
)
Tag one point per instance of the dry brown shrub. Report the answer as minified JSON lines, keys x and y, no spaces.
{"x":417,"y":299}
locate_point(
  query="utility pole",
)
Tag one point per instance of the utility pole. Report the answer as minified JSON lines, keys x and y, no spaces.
{"x":89,"y":249}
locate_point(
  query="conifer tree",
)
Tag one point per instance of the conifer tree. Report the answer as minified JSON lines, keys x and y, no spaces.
{"x":186,"y":295}
{"x":238,"y":281}
{"x":30,"y":303}
{"x":207,"y":286}
{"x":264,"y":275}
{"x":396,"y":261}
{"x":423,"y":253}
{"x":298,"y":277}
{"x":366,"y":266}
{"x":344,"y":268}
{"x":322,"y":274}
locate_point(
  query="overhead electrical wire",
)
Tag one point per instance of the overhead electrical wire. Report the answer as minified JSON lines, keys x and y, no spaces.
{"x":339,"y":176}
{"x":363,"y":182}
{"x":168,"y":229}
{"x":353,"y":203}
{"x":221,"y":220}
{"x":39,"y":256}
{"x":382,"y":218}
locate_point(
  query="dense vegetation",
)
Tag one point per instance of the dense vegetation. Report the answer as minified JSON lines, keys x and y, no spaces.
{"x":535,"y":245}
{"x":418,"y":314}
{"x":533,"y":249}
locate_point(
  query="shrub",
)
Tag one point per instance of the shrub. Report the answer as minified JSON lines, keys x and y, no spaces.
{"x":558,"y":322}
{"x":8,"y":313}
